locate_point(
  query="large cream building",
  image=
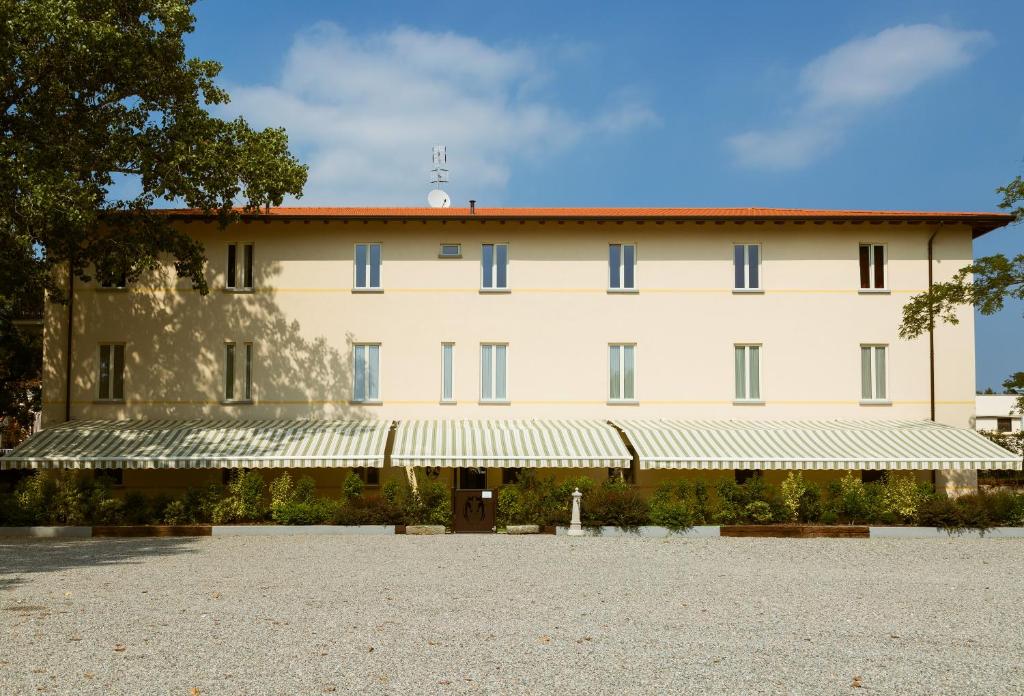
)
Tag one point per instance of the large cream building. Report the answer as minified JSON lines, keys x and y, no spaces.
{"x":410,"y":316}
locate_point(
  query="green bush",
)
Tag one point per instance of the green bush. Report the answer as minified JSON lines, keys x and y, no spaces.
{"x":614,"y":503}
{"x":902,"y":497}
{"x":793,"y":489}
{"x":316,"y":511}
{"x":244,"y":500}
{"x":352,"y":488}
{"x":680,"y":505}
{"x":736,"y":503}
{"x":851,"y":501}
{"x":197,"y":505}
{"x":430,"y":504}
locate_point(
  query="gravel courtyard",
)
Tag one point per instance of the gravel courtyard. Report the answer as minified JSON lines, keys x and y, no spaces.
{"x":516,"y":615}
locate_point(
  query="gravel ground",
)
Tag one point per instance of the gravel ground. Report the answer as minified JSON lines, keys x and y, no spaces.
{"x":515,"y":615}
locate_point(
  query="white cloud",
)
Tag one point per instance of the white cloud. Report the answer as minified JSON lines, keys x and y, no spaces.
{"x":363,"y":112}
{"x":841,"y":85}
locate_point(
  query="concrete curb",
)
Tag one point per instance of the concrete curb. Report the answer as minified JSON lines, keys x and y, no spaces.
{"x":522,"y":529}
{"x":424,"y":529}
{"x":648,"y":532}
{"x":939,"y":533}
{"x":301,"y":529}
{"x":47,"y":532}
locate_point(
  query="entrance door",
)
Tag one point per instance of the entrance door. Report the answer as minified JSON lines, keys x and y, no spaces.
{"x":474,"y":503}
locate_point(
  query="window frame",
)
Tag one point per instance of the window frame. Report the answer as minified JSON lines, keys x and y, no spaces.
{"x":237,"y":267}
{"x":747,"y":290}
{"x":622,"y":268}
{"x":622,"y":400}
{"x":363,"y":472}
{"x":494,"y":374}
{"x":870,"y":290}
{"x":442,"y":255}
{"x":494,"y":267}
{"x":110,"y":397}
{"x":369,"y":266}
{"x":247,"y":356}
{"x":366,"y":378}
{"x":747,"y":400}
{"x":1004,"y":420}
{"x":874,"y":400}
{"x":450,"y":399}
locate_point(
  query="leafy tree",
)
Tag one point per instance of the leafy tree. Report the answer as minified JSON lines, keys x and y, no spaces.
{"x":984,"y":284}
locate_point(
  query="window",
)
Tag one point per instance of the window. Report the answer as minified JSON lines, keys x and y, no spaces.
{"x":622,"y":266}
{"x":367,"y":267}
{"x":873,"y":373}
{"x":510,"y":475}
{"x":114,"y":476}
{"x":1004,"y":425}
{"x":366,"y":372}
{"x":494,"y":267}
{"x":369,"y":475}
{"x":746,"y":261}
{"x":232,"y":373}
{"x":872,"y":475}
{"x":111,"y":372}
{"x":744,"y":475}
{"x":494,"y":372}
{"x":872,"y":267}
{"x":448,"y":372}
{"x":748,"y":373}
{"x":239,"y":270}
{"x":622,"y":372}
{"x":450,"y":251}
{"x":472,"y":478}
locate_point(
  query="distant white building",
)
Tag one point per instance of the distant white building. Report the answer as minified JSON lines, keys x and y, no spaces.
{"x":996,"y":412}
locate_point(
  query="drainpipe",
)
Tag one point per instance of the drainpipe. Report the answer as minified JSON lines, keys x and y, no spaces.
{"x":67,"y":352}
{"x":931,"y":327}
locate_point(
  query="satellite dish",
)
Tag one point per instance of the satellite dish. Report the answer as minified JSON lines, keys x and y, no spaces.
{"x":439,"y":199}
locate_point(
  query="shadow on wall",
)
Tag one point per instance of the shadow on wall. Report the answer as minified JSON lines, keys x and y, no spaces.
{"x":175,"y":352}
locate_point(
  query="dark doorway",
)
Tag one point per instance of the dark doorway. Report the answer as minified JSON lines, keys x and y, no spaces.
{"x":472,"y":479}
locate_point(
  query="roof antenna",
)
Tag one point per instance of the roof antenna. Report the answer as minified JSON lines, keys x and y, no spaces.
{"x":439,"y":175}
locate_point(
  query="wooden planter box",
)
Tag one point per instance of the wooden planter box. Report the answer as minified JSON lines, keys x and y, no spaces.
{"x":153,"y":530}
{"x":796,"y":531}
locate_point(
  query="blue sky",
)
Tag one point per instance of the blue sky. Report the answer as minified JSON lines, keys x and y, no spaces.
{"x":912,"y":105}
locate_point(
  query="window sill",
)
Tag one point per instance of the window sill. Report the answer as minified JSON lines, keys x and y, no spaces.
{"x":623,"y":291}
{"x":874,"y":291}
{"x":447,"y":402}
{"x":236,"y":402}
{"x":495,"y":291}
{"x":748,"y":402}
{"x":623,"y":402}
{"x":748,"y":291}
{"x":875,"y":402}
{"x":494,"y":402}
{"x":109,"y":402}
{"x":239,"y":291}
{"x":371,"y":402}
{"x":368,"y":291}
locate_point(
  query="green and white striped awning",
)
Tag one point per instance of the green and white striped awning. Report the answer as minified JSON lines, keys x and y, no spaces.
{"x":172,"y":444}
{"x":841,"y":444}
{"x":508,"y":443}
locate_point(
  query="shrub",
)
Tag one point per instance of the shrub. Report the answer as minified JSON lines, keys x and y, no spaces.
{"x":902,"y":496}
{"x":316,"y":511}
{"x":244,"y":500}
{"x":736,"y":503}
{"x":615,"y":503}
{"x":537,"y":499}
{"x":430,"y":504}
{"x":175,"y":513}
{"x":352,"y":487}
{"x":199,"y":504}
{"x":854,"y":502}
{"x":793,"y":489}
{"x":940,"y":511}
{"x":679,"y":505}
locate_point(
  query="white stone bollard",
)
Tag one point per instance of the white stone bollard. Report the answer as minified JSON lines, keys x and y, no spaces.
{"x":575,"y":526}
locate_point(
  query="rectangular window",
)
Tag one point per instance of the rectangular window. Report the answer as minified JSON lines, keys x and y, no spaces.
{"x":622,"y":266}
{"x":748,"y":372}
{"x":1004,"y":425}
{"x":111,"y":372}
{"x":873,"y":373}
{"x":232,"y":373}
{"x":448,"y":372}
{"x":494,"y":267}
{"x":450,"y":251}
{"x":873,"y":267}
{"x":370,"y":475}
{"x":239,"y":271}
{"x":746,"y":260}
{"x":493,"y":372}
{"x":622,"y":372}
{"x":366,"y":372}
{"x":367,"y":267}
{"x":510,"y":475}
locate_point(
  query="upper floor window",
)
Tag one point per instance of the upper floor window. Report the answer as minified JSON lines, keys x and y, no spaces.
{"x":450,"y":251}
{"x":748,"y":372}
{"x":448,"y":372}
{"x":494,"y":267}
{"x":238,"y":377}
{"x":622,"y":266}
{"x":366,"y":372}
{"x":873,"y":275}
{"x":622,"y":372}
{"x":367,"y":267}
{"x":494,"y":372}
{"x":1004,"y":425}
{"x":873,"y":377}
{"x":746,"y":261}
{"x":111,"y":379}
{"x":239,"y":268}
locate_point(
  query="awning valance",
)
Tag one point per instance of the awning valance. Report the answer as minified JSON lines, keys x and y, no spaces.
{"x":170,"y":444}
{"x":841,"y":444}
{"x":508,"y":443}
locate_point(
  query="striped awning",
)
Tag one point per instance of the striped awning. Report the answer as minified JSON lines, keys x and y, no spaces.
{"x":171,"y":444}
{"x":508,"y":443}
{"x":730,"y":444}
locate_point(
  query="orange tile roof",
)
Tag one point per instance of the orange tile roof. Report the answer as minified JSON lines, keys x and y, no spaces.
{"x":981,"y":221}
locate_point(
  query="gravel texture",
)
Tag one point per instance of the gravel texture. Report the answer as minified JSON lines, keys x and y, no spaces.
{"x":511,"y":614}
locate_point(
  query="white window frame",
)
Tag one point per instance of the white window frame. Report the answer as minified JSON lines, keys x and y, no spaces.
{"x":494,"y":267}
{"x":366,"y":269}
{"x":110,"y":396}
{"x":493,"y":399}
{"x":622,"y":267}
{"x":622,"y":398}
{"x":746,"y":398}
{"x":239,"y":266}
{"x":874,"y":399}
{"x":450,"y":398}
{"x":367,"y":398}
{"x":246,"y":357}
{"x":746,"y":267}
{"x":871,"y":267}
{"x":456,"y":255}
